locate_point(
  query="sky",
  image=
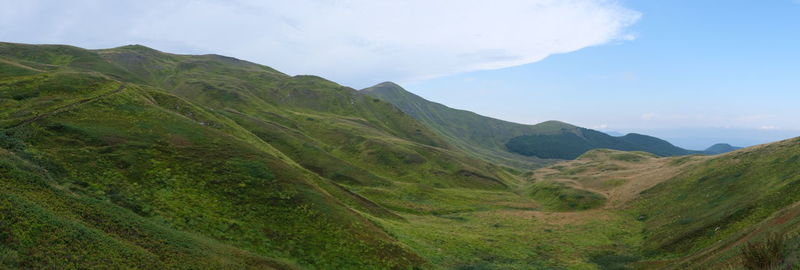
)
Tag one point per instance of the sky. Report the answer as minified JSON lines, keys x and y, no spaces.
{"x":694,"y":72}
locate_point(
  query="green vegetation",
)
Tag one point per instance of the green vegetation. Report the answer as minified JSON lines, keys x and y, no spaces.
{"x":480,"y":136}
{"x":769,"y":254}
{"x":518,"y":145}
{"x":560,"y":197}
{"x":134,"y":158}
{"x":709,"y":208}
{"x":571,"y":143}
{"x":720,"y":148}
{"x":117,"y":142}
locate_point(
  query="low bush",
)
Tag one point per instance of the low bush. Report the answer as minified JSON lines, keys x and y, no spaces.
{"x":767,"y":254}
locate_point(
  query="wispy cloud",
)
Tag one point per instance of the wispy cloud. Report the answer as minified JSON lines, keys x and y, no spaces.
{"x":352,"y":41}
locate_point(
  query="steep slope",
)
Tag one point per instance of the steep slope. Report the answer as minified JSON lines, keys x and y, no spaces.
{"x":511,"y":143}
{"x":708,"y":212}
{"x":168,"y":162}
{"x":135,"y":158}
{"x":479,"y":135}
{"x":232,"y":158}
{"x":694,"y":212}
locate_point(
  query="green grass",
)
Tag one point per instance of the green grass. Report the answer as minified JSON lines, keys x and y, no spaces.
{"x":477,"y":135}
{"x":513,"y":239}
{"x":718,"y":199}
{"x":135,"y":158}
{"x":559,"y":197}
{"x":571,"y":143}
{"x":178,"y":162}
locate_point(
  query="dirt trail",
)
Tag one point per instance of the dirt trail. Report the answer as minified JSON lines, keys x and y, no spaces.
{"x":68,"y":107}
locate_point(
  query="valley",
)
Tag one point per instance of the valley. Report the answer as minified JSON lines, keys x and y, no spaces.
{"x":149,"y":160}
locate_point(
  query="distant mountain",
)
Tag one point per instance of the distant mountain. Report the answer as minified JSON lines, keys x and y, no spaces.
{"x":571,"y":143}
{"x":134,"y":158}
{"x":720,"y":148}
{"x":479,"y":135}
{"x":510,"y":143}
{"x":614,"y":133}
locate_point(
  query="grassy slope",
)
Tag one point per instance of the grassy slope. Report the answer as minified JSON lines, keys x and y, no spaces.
{"x":220,"y":162}
{"x":694,"y":211}
{"x":571,"y":143}
{"x":177,"y":163}
{"x":281,"y":170}
{"x":481,"y":136}
{"x":46,"y":225}
{"x":719,"y":204}
{"x":513,"y":144}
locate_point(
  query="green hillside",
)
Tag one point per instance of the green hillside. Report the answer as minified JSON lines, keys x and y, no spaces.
{"x":512,"y":144}
{"x":221,"y":155}
{"x":694,"y":212}
{"x":707,"y":213}
{"x":478,"y":135}
{"x":571,"y":143}
{"x":133,"y":158}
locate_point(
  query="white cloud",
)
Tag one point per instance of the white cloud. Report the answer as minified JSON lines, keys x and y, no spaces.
{"x":351,"y":41}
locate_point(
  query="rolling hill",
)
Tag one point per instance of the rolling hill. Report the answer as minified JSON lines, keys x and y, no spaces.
{"x":571,"y":143}
{"x":512,"y":144}
{"x":193,"y":158}
{"x":135,"y":158}
{"x":476,"y":134}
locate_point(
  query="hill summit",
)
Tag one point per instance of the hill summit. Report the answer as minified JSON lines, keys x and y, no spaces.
{"x":506,"y":142}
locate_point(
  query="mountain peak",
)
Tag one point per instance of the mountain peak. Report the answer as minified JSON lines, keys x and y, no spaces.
{"x":386,"y":87}
{"x":720,"y":148}
{"x":554,"y":126}
{"x":137,"y":47}
{"x":388,"y":84}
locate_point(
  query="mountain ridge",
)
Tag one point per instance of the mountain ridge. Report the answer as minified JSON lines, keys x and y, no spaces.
{"x":493,"y":139}
{"x":134,"y":158}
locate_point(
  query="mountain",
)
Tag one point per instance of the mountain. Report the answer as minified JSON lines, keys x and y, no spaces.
{"x":481,"y":136}
{"x":720,"y":148}
{"x":504,"y":142}
{"x":144,"y":159}
{"x":135,"y":158}
{"x":570,"y":144}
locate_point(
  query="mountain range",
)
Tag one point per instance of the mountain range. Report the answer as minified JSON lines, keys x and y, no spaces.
{"x":140,"y":159}
{"x":505,"y":142}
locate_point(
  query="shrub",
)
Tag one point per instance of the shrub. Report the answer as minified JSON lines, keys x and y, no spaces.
{"x":768,"y":254}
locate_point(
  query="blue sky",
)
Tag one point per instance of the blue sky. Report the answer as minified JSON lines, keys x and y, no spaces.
{"x":695,"y":72}
{"x":718,"y":70}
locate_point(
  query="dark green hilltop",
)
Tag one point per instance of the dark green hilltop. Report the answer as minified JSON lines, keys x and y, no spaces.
{"x":132,"y":158}
{"x":515,"y":144}
{"x":720,"y":148}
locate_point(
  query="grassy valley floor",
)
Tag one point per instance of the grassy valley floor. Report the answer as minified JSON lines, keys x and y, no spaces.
{"x":571,"y":215}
